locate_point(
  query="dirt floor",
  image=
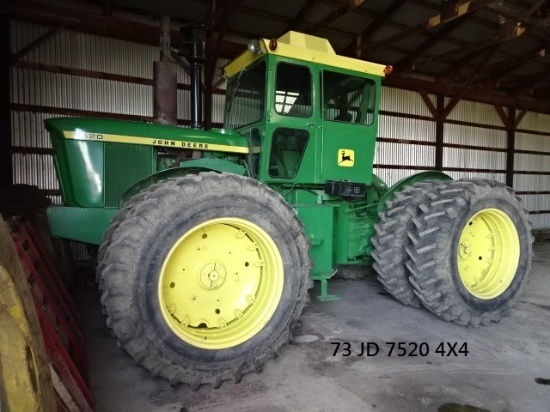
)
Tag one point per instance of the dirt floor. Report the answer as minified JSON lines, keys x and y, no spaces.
{"x":506,"y":368}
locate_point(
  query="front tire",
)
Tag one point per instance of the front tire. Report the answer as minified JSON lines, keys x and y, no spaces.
{"x":471,"y":252}
{"x":203,"y":277}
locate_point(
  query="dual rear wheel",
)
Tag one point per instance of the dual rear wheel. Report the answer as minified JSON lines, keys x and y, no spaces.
{"x":462,"y":249}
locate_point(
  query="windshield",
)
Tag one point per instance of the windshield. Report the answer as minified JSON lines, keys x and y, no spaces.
{"x":245,"y":97}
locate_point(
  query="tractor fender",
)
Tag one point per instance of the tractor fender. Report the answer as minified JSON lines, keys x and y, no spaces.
{"x":419,"y":177}
{"x":194,"y":166}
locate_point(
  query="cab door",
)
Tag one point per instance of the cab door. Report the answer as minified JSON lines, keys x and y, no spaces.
{"x":349,"y":126}
{"x":291,"y":127}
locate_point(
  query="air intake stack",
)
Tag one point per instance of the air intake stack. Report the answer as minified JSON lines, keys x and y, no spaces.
{"x":194,"y":50}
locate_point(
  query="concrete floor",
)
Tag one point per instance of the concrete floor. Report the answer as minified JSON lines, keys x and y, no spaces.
{"x":507,"y":367}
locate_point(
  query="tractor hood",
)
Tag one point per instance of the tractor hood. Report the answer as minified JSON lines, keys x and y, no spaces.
{"x":97,"y":160}
{"x":123,"y":131}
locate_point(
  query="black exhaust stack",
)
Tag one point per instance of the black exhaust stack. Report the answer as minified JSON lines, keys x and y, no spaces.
{"x":194,"y":50}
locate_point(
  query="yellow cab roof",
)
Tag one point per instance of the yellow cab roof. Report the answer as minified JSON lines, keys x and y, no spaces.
{"x":307,"y":48}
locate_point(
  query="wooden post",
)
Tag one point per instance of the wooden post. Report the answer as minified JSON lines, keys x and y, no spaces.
{"x":439,"y":132}
{"x":510,"y":147}
{"x":6,"y":163}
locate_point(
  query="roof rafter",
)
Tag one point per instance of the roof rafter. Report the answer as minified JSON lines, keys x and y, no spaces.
{"x":465,"y":8}
{"x":455,"y":72}
{"x":447,"y":89}
{"x":36,"y":43}
{"x":536,"y":7}
{"x":512,"y":32}
{"x":377,"y":23}
{"x":502,"y":68}
{"x":526,"y":87}
{"x":222,"y":17}
{"x":541,"y":91}
{"x":300,"y":15}
{"x":524,"y":81}
{"x":97,"y":24}
{"x":468,"y":81}
{"x":518,"y":15}
{"x":407,"y":63}
{"x":335,"y":14}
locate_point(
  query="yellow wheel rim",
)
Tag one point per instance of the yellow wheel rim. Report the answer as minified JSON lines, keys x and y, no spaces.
{"x":488,"y":253}
{"x":220,"y":283}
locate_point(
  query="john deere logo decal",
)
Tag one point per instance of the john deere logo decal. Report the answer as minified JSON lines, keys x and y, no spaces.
{"x":346,"y":157}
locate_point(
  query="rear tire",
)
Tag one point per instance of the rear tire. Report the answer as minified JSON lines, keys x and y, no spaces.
{"x":203,"y":277}
{"x":391,"y":240}
{"x":471,"y":252}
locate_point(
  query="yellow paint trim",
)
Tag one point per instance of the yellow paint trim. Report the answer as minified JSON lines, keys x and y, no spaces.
{"x":307,"y":48}
{"x":333,"y":60}
{"x":245,"y":59}
{"x":176,"y":144}
{"x":220,"y":283}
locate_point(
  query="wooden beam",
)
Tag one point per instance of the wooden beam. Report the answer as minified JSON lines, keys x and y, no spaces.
{"x":535,"y":7}
{"x":526,"y":80}
{"x":541,"y":91}
{"x":89,"y":113}
{"x":431,"y":107}
{"x":498,"y":70}
{"x":51,"y":68}
{"x":212,"y":60}
{"x":334,"y":15}
{"x":518,"y":15}
{"x":41,"y":40}
{"x":454,"y":70}
{"x":84,"y":21}
{"x":449,"y":9}
{"x":448,"y":89}
{"x":465,"y":8}
{"x":300,"y":15}
{"x":504,"y":117}
{"x":468,"y":81}
{"x":497,"y":39}
{"x":355,"y":47}
{"x":407,"y":63}
{"x":510,"y":146}
{"x":455,"y":99}
{"x":439,"y":132}
{"x":519,"y":118}
{"x":6,"y":171}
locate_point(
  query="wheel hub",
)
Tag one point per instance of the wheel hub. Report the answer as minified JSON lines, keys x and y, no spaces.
{"x":212,"y":275}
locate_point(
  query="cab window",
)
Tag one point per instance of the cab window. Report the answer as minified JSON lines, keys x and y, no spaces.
{"x":293,"y":90}
{"x":348,"y":99}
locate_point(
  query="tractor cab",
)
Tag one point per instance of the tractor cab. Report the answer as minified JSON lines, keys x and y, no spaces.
{"x":312,"y":113}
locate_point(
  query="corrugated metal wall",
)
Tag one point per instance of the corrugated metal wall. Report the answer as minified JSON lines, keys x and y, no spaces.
{"x":533,"y":136}
{"x":40,"y":92}
{"x":407,"y":128}
{"x":474,"y":137}
{"x":406,"y":133}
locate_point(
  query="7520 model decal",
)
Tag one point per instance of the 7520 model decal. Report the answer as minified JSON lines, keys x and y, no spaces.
{"x":81,"y":135}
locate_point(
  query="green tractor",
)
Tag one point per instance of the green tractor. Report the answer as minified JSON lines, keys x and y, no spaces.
{"x":209,"y":239}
